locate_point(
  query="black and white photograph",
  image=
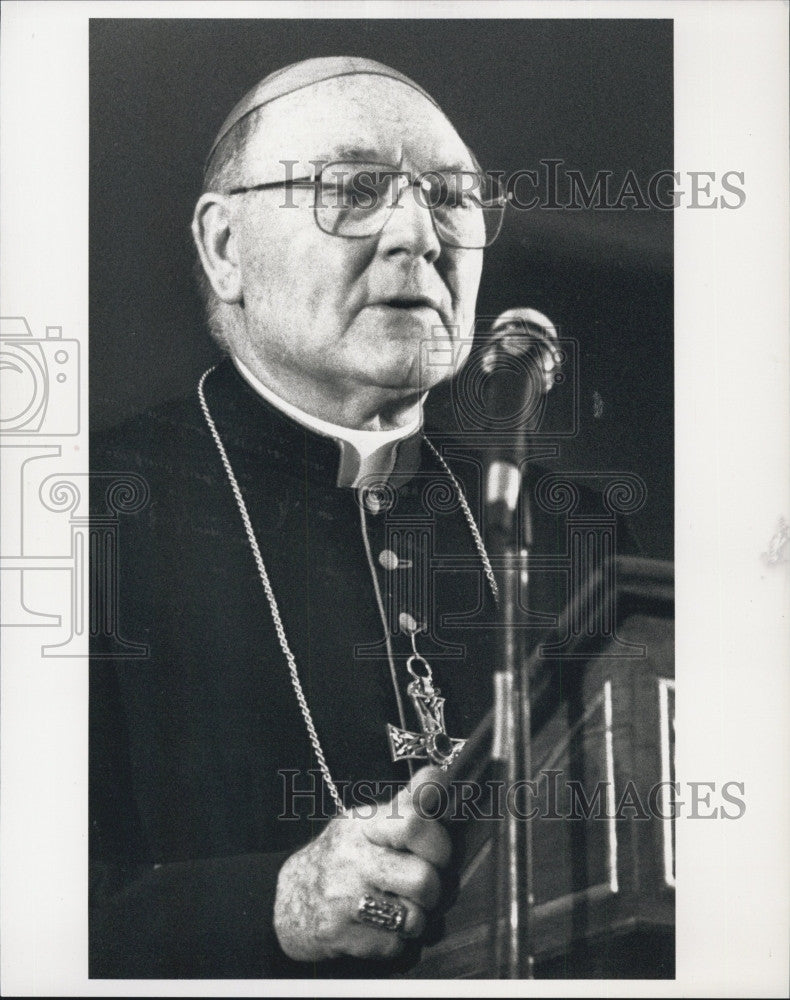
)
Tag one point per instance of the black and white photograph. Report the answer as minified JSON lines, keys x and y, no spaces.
{"x":418,"y":443}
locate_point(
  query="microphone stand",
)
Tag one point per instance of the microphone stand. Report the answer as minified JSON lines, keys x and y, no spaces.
{"x":511,"y":757}
{"x":523,"y":336}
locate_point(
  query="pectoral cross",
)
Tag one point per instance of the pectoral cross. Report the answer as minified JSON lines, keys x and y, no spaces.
{"x":432,"y":743}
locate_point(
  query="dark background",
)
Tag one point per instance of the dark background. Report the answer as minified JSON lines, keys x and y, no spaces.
{"x":596,"y":94}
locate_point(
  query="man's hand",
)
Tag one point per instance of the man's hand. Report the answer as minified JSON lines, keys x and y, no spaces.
{"x":397,"y":850}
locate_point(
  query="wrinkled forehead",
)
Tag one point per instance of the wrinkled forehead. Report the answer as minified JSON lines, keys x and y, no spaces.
{"x":361,"y":117}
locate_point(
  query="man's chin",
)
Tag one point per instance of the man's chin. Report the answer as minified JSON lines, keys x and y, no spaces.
{"x":409,"y":353}
{"x":434,"y":352}
{"x":410,"y":377}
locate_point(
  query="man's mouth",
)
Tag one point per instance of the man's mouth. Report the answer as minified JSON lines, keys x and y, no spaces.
{"x":410,"y":302}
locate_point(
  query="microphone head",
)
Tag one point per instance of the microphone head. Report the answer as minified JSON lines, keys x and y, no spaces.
{"x":521,"y":332}
{"x":507,"y":381}
{"x":519,"y":362}
{"x":503,"y":387}
{"x":517,"y":368}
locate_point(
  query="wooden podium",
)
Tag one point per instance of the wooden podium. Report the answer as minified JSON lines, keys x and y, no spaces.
{"x":602,"y":745}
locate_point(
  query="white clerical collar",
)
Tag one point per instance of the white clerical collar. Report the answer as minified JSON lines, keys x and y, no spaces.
{"x":362,"y":453}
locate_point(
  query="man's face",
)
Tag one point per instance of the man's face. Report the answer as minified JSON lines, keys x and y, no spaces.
{"x":351,"y":314}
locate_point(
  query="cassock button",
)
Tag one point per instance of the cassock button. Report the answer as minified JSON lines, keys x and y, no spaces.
{"x":372,"y":502}
{"x":389,"y":559}
{"x":408,"y":623}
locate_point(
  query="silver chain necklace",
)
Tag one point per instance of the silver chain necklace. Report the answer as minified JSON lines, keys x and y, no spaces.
{"x":272,"y":600}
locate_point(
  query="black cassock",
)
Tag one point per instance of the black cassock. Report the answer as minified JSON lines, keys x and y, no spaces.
{"x":198,"y":750}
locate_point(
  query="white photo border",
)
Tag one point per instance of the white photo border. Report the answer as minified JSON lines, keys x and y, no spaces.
{"x":732,"y":461}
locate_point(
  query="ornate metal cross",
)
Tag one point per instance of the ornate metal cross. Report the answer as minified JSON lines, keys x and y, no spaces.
{"x":432,"y":743}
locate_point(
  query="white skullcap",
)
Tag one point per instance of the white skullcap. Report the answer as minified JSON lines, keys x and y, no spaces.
{"x":305,"y":74}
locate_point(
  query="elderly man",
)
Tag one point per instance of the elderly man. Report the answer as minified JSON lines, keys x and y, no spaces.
{"x":308,"y":573}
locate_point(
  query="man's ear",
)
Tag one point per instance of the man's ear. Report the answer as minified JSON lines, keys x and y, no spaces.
{"x":213,"y":234}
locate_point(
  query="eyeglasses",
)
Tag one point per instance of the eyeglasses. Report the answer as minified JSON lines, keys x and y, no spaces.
{"x":356,"y":200}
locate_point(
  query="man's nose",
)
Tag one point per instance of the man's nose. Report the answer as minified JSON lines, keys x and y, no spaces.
{"x":410,"y":227}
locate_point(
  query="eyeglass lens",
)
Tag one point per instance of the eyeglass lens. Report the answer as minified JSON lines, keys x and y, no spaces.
{"x":357,"y":199}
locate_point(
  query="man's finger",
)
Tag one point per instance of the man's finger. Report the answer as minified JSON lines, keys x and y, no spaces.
{"x":403,"y":874}
{"x":409,"y":823}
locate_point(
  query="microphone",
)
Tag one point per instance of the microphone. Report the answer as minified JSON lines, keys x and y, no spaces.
{"x":518,"y":363}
